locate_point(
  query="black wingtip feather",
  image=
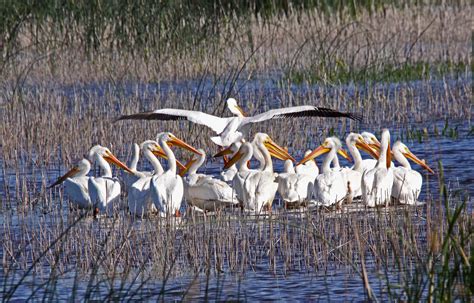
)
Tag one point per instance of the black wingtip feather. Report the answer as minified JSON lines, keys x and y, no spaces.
{"x":356,"y":117}
{"x":150,"y":116}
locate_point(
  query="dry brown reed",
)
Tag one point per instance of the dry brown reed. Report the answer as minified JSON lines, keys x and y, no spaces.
{"x":57,"y":102}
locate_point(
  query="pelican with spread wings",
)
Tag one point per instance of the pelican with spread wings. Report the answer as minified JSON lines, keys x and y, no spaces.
{"x":229,"y":129}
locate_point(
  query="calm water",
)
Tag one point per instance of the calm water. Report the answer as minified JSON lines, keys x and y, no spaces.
{"x":455,"y":153}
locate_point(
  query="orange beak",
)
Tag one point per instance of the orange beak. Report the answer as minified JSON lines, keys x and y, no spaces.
{"x":363,"y":146}
{"x":277,"y":151}
{"x":321,"y":150}
{"x":389,"y":156}
{"x":240,"y":110}
{"x":186,"y":167}
{"x":180,"y":143}
{"x":415,"y":159}
{"x":69,"y":174}
{"x":223,"y":152}
{"x":233,"y":160}
{"x":109,"y":157}
{"x":158,"y":152}
{"x":344,"y":154}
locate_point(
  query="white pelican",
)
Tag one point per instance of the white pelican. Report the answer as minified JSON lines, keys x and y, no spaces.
{"x":308,"y":168}
{"x":104,"y":190}
{"x":374,"y":143}
{"x":295,"y":188}
{"x":330,"y":187}
{"x":139,"y":193}
{"x":76,"y":184}
{"x":256,"y":189}
{"x":205,"y":192}
{"x":229,"y":129}
{"x":353,"y":175}
{"x":407,"y":182}
{"x":167,"y":188}
{"x":228,"y":174}
{"x":377,"y":182}
{"x":129,"y":179}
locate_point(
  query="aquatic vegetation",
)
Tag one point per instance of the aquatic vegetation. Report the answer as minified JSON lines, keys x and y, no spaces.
{"x":69,"y":69}
{"x":386,"y":73}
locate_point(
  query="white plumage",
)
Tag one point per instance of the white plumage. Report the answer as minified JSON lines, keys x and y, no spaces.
{"x":377,"y":182}
{"x":406,"y":182}
{"x":205,"y":192}
{"x":105,"y":190}
{"x":76,"y":184}
{"x":295,"y":188}
{"x":229,"y":129}
{"x":167,"y":189}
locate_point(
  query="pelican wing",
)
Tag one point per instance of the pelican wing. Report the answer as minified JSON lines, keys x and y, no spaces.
{"x":299,"y":111}
{"x":217,"y":124}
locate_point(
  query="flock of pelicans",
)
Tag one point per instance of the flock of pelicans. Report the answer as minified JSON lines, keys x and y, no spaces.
{"x":377,"y":181}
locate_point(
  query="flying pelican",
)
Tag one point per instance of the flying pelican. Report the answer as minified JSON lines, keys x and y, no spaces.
{"x":353,"y":175}
{"x":76,"y":184}
{"x":229,"y":129}
{"x":104,"y":190}
{"x":407,"y":182}
{"x":167,"y":188}
{"x":377,"y":182}
{"x":295,"y":188}
{"x":330,"y":187}
{"x":256,"y":189}
{"x":205,"y":192}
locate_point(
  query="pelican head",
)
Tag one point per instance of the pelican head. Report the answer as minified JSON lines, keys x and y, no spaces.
{"x":107,"y":155}
{"x":404,"y":150}
{"x":245,"y":149}
{"x":360,"y":142}
{"x":235,"y":108}
{"x":274,"y":149}
{"x":328,"y":144}
{"x":172,"y":140}
{"x":82,"y":168}
{"x":371,"y":139}
{"x":233,"y":148}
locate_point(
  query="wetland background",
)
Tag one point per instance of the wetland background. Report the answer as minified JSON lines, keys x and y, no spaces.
{"x":68,"y":69}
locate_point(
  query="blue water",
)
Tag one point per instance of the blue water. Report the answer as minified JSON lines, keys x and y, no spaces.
{"x":454,"y":152}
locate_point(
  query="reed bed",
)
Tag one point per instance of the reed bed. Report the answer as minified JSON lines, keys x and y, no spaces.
{"x":305,"y":45}
{"x":419,"y":246}
{"x":64,"y":80}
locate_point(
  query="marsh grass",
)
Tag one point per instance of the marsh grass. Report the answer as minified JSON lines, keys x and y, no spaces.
{"x":65,"y":76}
{"x":426,"y":250}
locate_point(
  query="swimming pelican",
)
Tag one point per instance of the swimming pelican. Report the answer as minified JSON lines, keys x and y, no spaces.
{"x":256,"y":189}
{"x":104,"y":190}
{"x":407,"y":182}
{"x":167,"y":188}
{"x":294,"y":188}
{"x":353,"y":175}
{"x":76,"y":184}
{"x":330,"y":187}
{"x":205,"y":192}
{"x":229,"y":129}
{"x":377,"y":183}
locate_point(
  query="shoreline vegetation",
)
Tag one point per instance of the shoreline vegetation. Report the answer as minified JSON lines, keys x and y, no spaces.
{"x":51,"y":50}
{"x":323,"y":41}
